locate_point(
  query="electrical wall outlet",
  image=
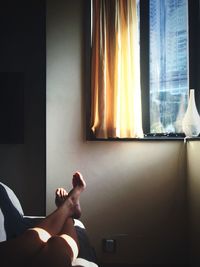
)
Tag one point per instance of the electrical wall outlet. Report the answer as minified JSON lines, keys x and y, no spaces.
{"x":109,"y":245}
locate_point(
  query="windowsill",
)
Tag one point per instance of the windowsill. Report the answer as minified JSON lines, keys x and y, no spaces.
{"x":193,"y":138}
{"x":168,"y":137}
{"x":151,"y":137}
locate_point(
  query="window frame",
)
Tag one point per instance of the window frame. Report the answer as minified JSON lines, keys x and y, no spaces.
{"x":194,"y":68}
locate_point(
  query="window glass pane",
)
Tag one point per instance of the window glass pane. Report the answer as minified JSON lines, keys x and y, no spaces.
{"x":168,"y":64}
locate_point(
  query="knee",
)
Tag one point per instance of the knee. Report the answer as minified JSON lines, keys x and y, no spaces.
{"x":59,"y":251}
{"x":55,"y":241}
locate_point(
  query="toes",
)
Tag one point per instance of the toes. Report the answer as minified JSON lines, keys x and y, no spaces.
{"x":78,"y":180}
{"x":61,"y":192}
{"x":61,"y":195}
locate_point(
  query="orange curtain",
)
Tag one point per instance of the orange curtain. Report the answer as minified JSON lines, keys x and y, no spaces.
{"x":115,"y":70}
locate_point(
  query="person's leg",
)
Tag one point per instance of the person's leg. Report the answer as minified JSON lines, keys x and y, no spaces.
{"x":59,"y":250}
{"x":69,"y":207}
{"x":39,"y":238}
{"x":62,"y":249}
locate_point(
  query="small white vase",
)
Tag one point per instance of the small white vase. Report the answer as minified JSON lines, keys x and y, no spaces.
{"x":191,"y":120}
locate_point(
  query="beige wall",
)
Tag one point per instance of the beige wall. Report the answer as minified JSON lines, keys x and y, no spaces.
{"x":193,"y":156}
{"x":136,"y":190}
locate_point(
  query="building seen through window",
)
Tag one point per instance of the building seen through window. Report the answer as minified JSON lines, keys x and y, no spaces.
{"x":169,"y":80}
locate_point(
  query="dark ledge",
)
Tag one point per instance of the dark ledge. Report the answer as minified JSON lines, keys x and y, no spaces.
{"x":151,"y":137}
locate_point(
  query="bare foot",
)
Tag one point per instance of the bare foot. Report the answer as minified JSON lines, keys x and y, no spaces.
{"x":79,"y":186}
{"x":78,"y":181}
{"x":61,"y":196}
{"x":72,"y":198}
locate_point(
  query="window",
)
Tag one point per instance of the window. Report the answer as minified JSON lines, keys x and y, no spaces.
{"x":168,"y":64}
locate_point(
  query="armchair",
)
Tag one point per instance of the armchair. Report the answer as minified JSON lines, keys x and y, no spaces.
{"x":11,"y":210}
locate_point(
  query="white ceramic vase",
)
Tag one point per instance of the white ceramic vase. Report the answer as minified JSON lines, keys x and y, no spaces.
{"x":191,"y":120}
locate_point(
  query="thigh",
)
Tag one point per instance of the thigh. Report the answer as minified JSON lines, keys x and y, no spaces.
{"x":54,"y":253}
{"x":18,"y":250}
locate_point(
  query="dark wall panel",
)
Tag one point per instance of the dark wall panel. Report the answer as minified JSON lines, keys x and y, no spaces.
{"x":23,"y":59}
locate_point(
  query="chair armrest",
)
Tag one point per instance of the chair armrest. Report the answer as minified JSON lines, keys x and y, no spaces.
{"x":37,"y":219}
{"x":79,"y":223}
{"x":34,"y":217}
{"x":32,"y":221}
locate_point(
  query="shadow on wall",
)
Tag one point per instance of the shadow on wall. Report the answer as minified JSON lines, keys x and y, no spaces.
{"x":144,"y":212}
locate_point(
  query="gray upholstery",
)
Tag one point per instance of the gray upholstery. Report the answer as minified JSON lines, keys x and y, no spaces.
{"x":14,"y":200}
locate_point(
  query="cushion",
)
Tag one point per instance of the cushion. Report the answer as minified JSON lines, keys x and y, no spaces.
{"x":9,"y":203}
